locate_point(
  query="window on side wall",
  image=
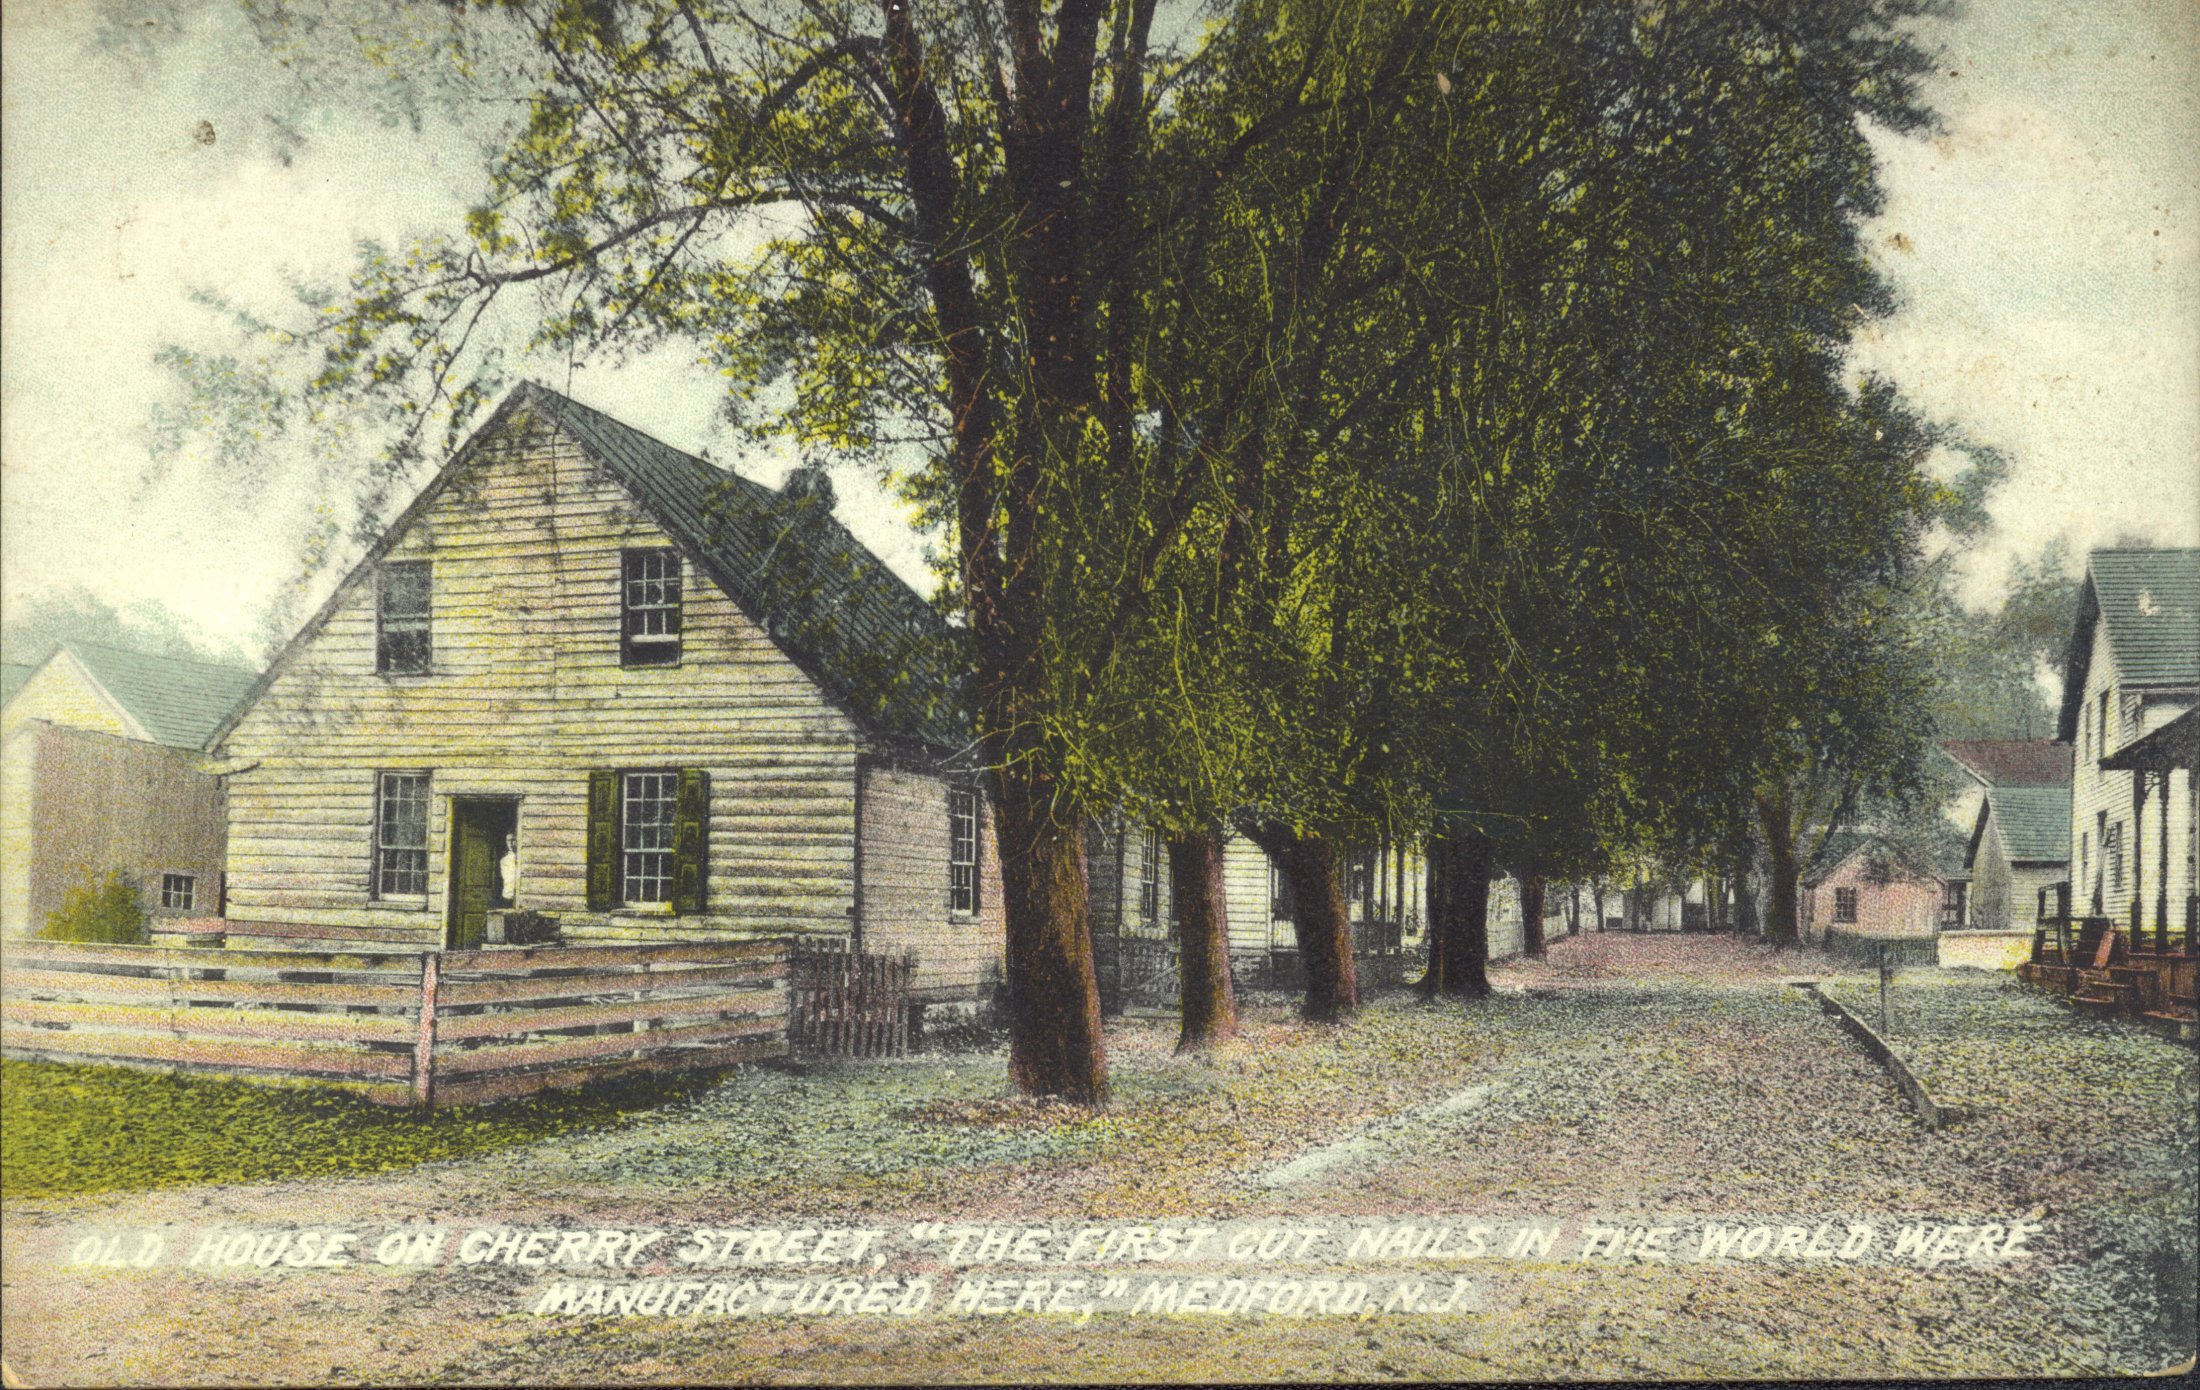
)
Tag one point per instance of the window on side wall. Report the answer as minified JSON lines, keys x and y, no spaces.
{"x":1844,"y":906}
{"x":403,"y":644}
{"x":2112,"y":848}
{"x":401,"y":835}
{"x":1149,"y":877}
{"x":962,"y":851}
{"x":179,"y":892}
{"x":649,"y":607}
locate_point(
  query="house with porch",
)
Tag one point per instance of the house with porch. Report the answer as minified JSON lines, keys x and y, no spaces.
{"x":587,"y":682}
{"x":2133,"y":669}
{"x":100,"y":772}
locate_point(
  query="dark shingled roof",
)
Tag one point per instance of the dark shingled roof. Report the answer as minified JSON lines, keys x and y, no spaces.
{"x":2150,"y":600}
{"x":180,"y":701}
{"x":2034,"y":821}
{"x":829,"y":603}
{"x":2012,"y":762}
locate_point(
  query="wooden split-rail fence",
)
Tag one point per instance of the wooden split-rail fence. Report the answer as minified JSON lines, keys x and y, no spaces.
{"x":849,"y":1003}
{"x":406,"y":1028}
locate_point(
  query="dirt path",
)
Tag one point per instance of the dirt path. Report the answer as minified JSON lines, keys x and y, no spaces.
{"x":1627,"y":1080}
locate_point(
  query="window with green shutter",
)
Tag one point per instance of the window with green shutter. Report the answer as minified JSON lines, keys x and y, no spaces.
{"x":648,"y":839}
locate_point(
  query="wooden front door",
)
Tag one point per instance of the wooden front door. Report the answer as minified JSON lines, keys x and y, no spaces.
{"x":481,"y":832}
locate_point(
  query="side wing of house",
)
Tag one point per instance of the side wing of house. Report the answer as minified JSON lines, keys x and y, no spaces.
{"x":929,"y":879}
{"x":482,"y":681}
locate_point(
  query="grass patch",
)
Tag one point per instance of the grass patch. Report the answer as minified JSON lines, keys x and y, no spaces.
{"x":76,"y":1130}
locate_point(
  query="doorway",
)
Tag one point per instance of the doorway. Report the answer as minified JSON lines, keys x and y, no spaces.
{"x":484,"y":865}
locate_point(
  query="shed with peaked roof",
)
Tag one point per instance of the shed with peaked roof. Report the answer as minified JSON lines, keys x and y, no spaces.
{"x":592,"y":676}
{"x":100,"y":773}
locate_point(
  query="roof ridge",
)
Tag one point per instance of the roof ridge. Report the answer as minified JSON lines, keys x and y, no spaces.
{"x":74,"y":642}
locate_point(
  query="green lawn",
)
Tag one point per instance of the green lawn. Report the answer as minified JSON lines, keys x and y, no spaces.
{"x":74,"y":1130}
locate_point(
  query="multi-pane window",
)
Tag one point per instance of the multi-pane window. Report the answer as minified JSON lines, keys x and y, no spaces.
{"x":179,"y":892}
{"x":401,"y":835}
{"x":402,"y":644}
{"x":1844,"y":905}
{"x":649,"y":608}
{"x":2112,"y":849}
{"x":648,"y":806}
{"x":1149,"y":877}
{"x":962,"y":850}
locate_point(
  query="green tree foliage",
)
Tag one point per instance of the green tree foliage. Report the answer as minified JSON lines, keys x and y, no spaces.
{"x":104,"y":909}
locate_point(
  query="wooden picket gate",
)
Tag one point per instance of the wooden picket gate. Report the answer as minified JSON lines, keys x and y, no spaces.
{"x":848,"y":1003}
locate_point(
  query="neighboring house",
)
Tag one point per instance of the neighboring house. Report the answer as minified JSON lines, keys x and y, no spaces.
{"x":1383,"y":887}
{"x":2020,"y":833}
{"x":2133,"y":667}
{"x":1869,"y":884}
{"x":100,"y":771}
{"x":588,"y":675}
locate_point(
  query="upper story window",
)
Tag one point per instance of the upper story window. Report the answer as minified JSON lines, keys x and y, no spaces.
{"x":1844,"y":905}
{"x":402,"y":644}
{"x":649,"y":608}
{"x":401,"y":835}
{"x":962,"y":851}
{"x":2101,"y":743}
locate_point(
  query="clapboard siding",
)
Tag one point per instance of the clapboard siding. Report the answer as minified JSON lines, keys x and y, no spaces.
{"x":1245,"y":892}
{"x":526,"y":695}
{"x":903,"y":871}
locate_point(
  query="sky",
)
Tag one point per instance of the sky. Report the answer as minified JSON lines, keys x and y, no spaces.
{"x":2044,"y":245}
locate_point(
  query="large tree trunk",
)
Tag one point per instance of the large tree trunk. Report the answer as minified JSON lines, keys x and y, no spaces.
{"x":1596,"y":891}
{"x":1458,"y":915}
{"x":1054,"y":1039}
{"x":1531,"y":915}
{"x":1205,"y":994}
{"x":1780,"y":929}
{"x":1323,"y":923}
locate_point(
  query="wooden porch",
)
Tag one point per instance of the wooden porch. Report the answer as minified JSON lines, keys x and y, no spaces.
{"x":2118,"y":970}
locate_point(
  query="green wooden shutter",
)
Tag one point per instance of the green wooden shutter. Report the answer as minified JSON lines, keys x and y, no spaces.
{"x":691,"y":841}
{"x":603,"y":841}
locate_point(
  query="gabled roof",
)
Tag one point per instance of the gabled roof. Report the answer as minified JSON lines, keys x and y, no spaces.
{"x":178,"y":701}
{"x":12,"y":676}
{"x":2034,"y":823}
{"x":2150,"y":600}
{"x":2012,"y":762}
{"x":877,"y":650}
{"x":1939,"y":854}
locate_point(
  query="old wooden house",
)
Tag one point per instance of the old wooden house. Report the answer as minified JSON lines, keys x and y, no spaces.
{"x":1871,"y":884}
{"x":2133,"y":668}
{"x":2020,"y":833}
{"x":588,"y":676}
{"x":100,"y":772}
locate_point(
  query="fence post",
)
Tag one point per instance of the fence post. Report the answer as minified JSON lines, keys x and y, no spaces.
{"x":424,"y":1049}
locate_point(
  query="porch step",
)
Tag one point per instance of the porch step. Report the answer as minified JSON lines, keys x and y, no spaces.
{"x":2182,"y":1024}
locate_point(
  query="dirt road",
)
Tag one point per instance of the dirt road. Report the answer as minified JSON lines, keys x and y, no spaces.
{"x":1625,"y":1085}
